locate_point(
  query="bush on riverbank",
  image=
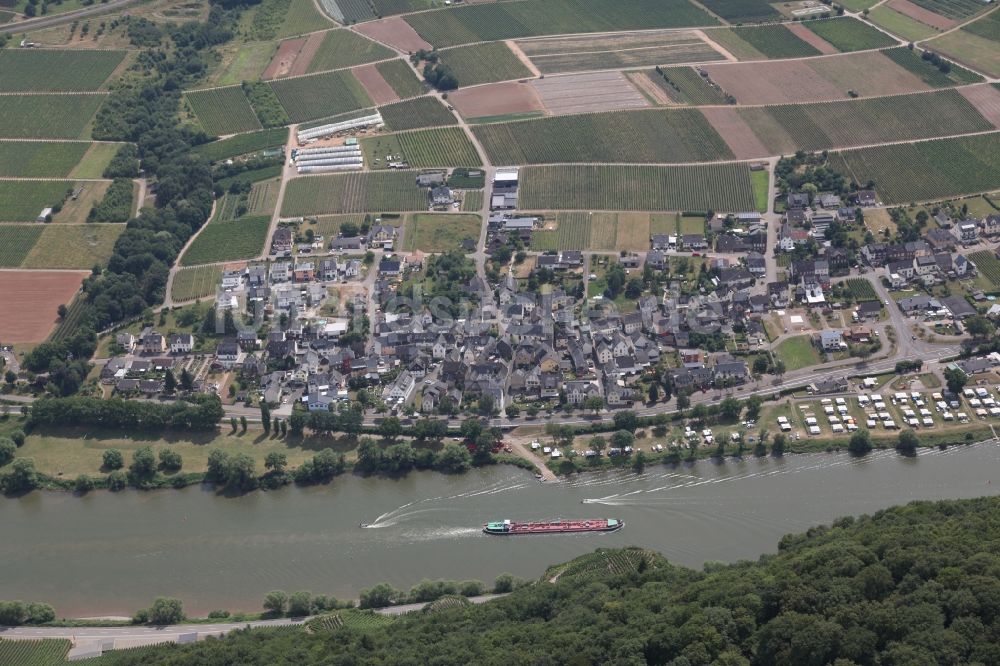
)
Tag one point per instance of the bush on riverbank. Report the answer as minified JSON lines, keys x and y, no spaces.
{"x":14,"y":613}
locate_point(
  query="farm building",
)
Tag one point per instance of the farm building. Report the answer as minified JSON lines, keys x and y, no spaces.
{"x":504,"y":189}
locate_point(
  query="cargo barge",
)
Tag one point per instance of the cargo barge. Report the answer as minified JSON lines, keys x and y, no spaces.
{"x":507,"y":527}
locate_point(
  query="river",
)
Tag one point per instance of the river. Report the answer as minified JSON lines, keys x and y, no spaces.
{"x":113,"y":553}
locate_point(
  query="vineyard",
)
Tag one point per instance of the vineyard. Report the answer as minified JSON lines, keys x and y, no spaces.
{"x":52,"y":70}
{"x":243,"y":144}
{"x":926,"y":171}
{"x":684,"y":84}
{"x":16,"y":242}
{"x":416,"y":113}
{"x":39,"y":159}
{"x":484,"y":63}
{"x":263,"y":197}
{"x":197,"y":282}
{"x":79,"y":309}
{"x":472,"y":201}
{"x":988,"y":265}
{"x":602,"y":562}
{"x":590,"y":52}
{"x":445,"y":603}
{"x":223,"y":110}
{"x":740,"y":11}
{"x":849,"y":34}
{"x":861,"y":290}
{"x":953,"y":9}
{"x":23,"y":200}
{"x":320,"y":95}
{"x":424,"y":148}
{"x":228,"y":240}
{"x":864,"y":121}
{"x":572,"y":232}
{"x":343,"y":48}
{"x":775,"y":41}
{"x":33,"y":653}
{"x":928,"y":73}
{"x":400,"y":78}
{"x":47,"y":116}
{"x":533,"y":18}
{"x":649,"y":135}
{"x":723,"y":187}
{"x":374,"y":192}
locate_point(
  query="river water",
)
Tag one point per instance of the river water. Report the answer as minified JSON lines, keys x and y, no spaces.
{"x":113,"y":553}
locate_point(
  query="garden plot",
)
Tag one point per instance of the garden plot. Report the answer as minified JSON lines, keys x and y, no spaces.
{"x":638,"y":49}
{"x":497,"y":99}
{"x":583,"y":93}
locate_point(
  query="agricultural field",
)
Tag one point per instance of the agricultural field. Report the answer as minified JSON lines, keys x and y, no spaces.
{"x":16,"y":241}
{"x":51,"y":70}
{"x":742,"y":11}
{"x":23,"y":200}
{"x":484,"y":63}
{"x":472,"y":201}
{"x":441,"y":147}
{"x":95,"y":160}
{"x":244,"y":144}
{"x":263,"y":197}
{"x":926,"y":171}
{"x":33,"y":653}
{"x":401,"y":78}
{"x":572,"y":232}
{"x":35,"y":296}
{"x":416,"y":113}
{"x":928,"y":73}
{"x":987,"y":27}
{"x":223,"y":111}
{"x":47,"y":116}
{"x":770,"y":41}
{"x":956,"y":10}
{"x":73,"y":246}
{"x":535,"y":18}
{"x":586,"y":92}
{"x":862,"y":290}
{"x":788,"y":128}
{"x":686,"y":86}
{"x":343,"y":48}
{"x":900,"y":24}
{"x":588,"y":52}
{"x":988,"y":265}
{"x":376,"y":192}
{"x":430,"y":232}
{"x":655,"y":135}
{"x":40,"y":159}
{"x":239,"y":62}
{"x":228,"y":240}
{"x":849,"y":34}
{"x":301,"y":17}
{"x":722,"y":187}
{"x":320,"y":95}
{"x":761,"y":183}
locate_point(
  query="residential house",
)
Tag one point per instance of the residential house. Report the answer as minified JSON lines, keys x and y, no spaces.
{"x":432,"y":179}
{"x":958,"y":306}
{"x":382,"y":236}
{"x":227,"y":353}
{"x":866,"y":198}
{"x":281,"y":271}
{"x":577,"y":392}
{"x":328,"y":270}
{"x":990,"y":225}
{"x":347,"y":244}
{"x":798,"y":200}
{"x":829,"y":201}
{"x":656,"y":259}
{"x":305,"y":271}
{"x":728,"y":243}
{"x":153,"y":342}
{"x":281,"y":241}
{"x":694,"y":242}
{"x":940,"y":240}
{"x":831,"y":340}
{"x":181,"y":343}
{"x":126,"y":341}
{"x":442,"y":196}
{"x":924,"y":265}
{"x":756,"y":264}
{"x":391,"y":267}
{"x":967,"y":233}
{"x":660,"y":242}
{"x":232,"y":279}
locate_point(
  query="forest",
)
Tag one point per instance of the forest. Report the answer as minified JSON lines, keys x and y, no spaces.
{"x":917,"y":584}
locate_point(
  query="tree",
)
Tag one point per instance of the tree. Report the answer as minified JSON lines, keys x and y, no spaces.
{"x":143,"y":463}
{"x":622,"y":438}
{"x":233,"y":423}
{"x":594,"y":403}
{"x":243,"y":423}
{"x":380,"y":596}
{"x":778,"y":446}
{"x":753,"y":405}
{"x":955,"y":379}
{"x":117,"y":480}
{"x":187,"y":380}
{"x":17,"y":436}
{"x":760,"y":365}
{"x":654,"y":393}
{"x":8,"y":449}
{"x":240,"y":472}
{"x":390,"y":428}
{"x":598,"y":444}
{"x":779,"y":368}
{"x":908,"y":443}
{"x":512,"y":410}
{"x":626,"y":420}
{"x":639,"y":462}
{"x":299,"y":604}
{"x":83,"y":484}
{"x":284,"y":428}
{"x":276,"y":462}
{"x":166,"y":611}
{"x":218,"y":466}
{"x":730,"y":409}
{"x":113,"y":459}
{"x":683,"y":401}
{"x":170,"y":460}
{"x":265,"y":416}
{"x":860,"y":443}
{"x":274,"y":602}
{"x":275,"y":425}
{"x":10,"y":377}
{"x":980,"y":327}
{"x":169,"y":381}
{"x":453,"y":459}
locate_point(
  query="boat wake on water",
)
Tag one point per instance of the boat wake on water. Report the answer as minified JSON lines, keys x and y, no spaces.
{"x":409,"y":510}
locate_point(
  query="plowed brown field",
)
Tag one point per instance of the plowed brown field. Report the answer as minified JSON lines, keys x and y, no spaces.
{"x":29,"y":299}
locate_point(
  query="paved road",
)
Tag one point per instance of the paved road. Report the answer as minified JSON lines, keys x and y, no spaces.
{"x":66,"y":17}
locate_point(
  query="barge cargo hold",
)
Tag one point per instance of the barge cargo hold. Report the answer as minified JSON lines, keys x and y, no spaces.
{"x":507,"y":527}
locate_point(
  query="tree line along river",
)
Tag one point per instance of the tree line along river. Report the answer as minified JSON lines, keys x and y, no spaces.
{"x":112,"y":553}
